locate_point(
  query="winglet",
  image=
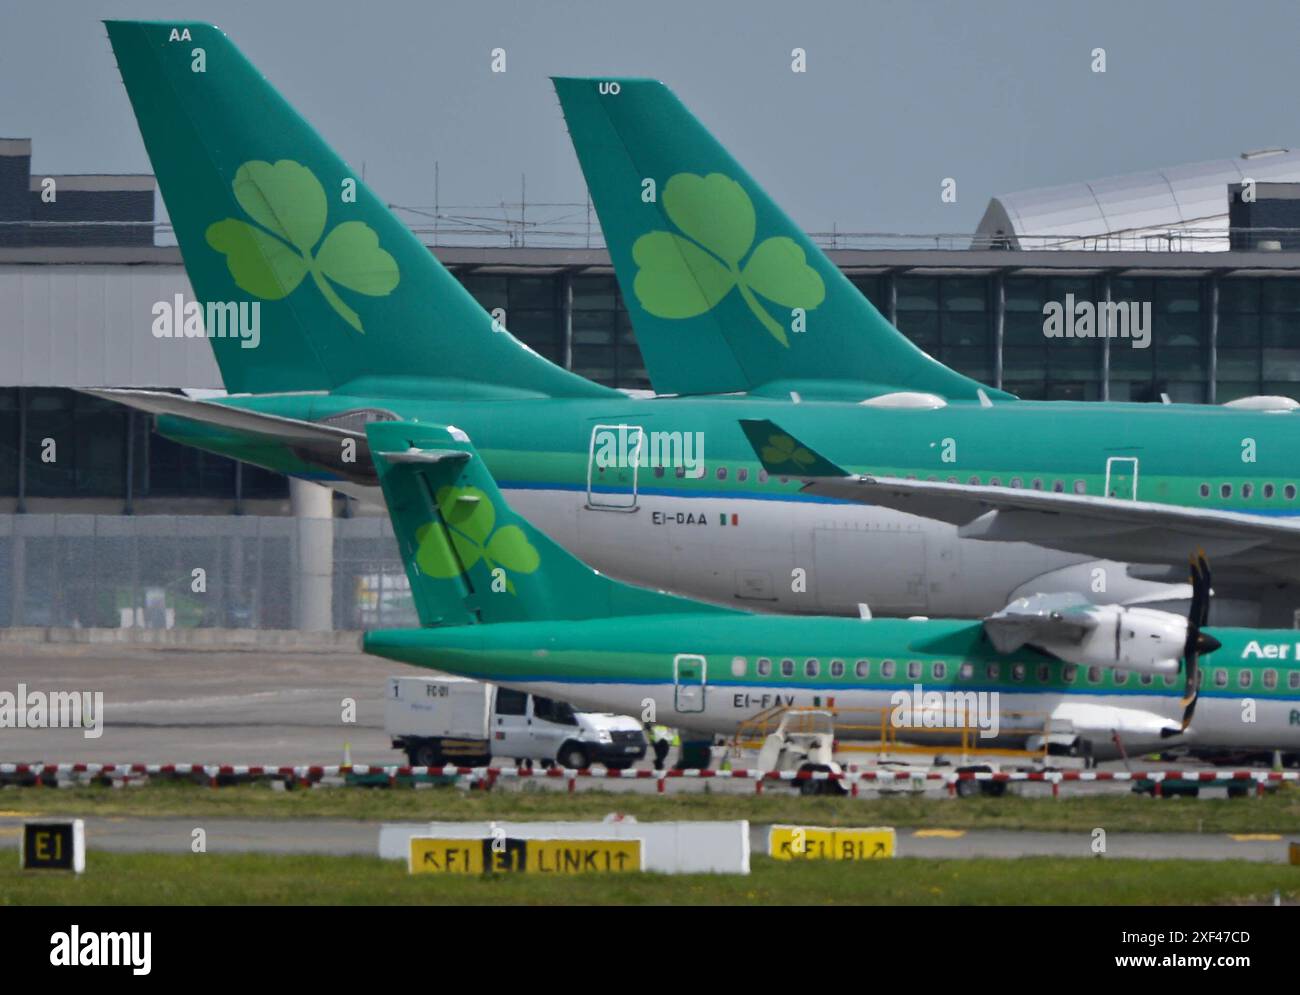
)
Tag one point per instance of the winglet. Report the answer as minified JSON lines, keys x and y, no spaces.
{"x":783,"y":455}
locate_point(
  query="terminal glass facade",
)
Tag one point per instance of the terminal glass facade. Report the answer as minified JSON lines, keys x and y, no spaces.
{"x":989,"y":326}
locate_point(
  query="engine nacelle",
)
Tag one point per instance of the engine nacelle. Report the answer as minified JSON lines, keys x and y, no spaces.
{"x":1144,"y":640}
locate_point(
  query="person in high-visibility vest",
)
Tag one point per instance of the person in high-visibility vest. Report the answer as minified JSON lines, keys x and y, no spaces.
{"x":659,"y":736}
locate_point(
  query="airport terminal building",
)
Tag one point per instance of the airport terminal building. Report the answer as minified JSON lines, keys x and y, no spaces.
{"x":110,"y":531}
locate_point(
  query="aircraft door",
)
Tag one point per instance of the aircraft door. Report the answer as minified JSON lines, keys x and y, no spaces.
{"x":613,"y":460}
{"x":689,"y":677}
{"x":1122,"y":477}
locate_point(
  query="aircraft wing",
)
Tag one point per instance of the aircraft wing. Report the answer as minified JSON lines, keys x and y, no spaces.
{"x":317,"y":443}
{"x":1244,"y":546}
{"x":292,"y":431}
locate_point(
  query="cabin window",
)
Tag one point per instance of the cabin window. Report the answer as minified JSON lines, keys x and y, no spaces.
{"x":762,"y":476}
{"x":974,"y":481}
{"x":721,"y":473}
{"x":1269,"y":490}
{"x":1170,"y":678}
{"x":1120,"y":676}
{"x":862,"y":668}
{"x":680,"y":472}
{"x":1044,"y":673}
{"x":938,"y":670}
{"x":1247,"y":490}
{"x":1080,"y":487}
{"x":811,"y":668}
{"x":913,"y":669}
{"x":1289,"y":492}
{"x":995,"y":481}
{"x":764,"y":666}
{"x":1094,"y":675}
{"x":742,"y":474}
{"x":1205,"y":490}
{"x":1069,"y":672}
{"x":1017,"y":482}
{"x":738,"y":666}
{"x":952,"y":480}
{"x":1017,"y":671}
{"x":837,"y":668}
{"x":1220,"y":678}
{"x":1293,"y":680}
{"x":1146,"y":680}
{"x":787,"y":668}
{"x":966,"y":671}
{"x":1270,"y":679}
{"x":886,"y":668}
{"x":1244,"y":678}
{"x":659,"y":471}
{"x":511,"y":702}
{"x":1225,"y":490}
{"x":1058,"y":486}
{"x":1037,"y":484}
{"x":992,"y":671}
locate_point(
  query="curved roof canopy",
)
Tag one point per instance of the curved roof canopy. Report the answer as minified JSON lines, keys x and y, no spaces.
{"x":1144,"y":207}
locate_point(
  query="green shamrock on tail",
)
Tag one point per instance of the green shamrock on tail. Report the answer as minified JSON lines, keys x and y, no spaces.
{"x":682,"y":277}
{"x":782,"y":449}
{"x":269,"y":262}
{"x":471,"y":520}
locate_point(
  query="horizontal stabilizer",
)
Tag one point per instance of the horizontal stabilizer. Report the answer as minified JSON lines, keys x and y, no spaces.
{"x":286,"y":430}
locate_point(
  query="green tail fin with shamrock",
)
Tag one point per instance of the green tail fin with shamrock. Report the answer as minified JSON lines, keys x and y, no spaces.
{"x":270,"y":218}
{"x":726,"y":293}
{"x":469,"y":557}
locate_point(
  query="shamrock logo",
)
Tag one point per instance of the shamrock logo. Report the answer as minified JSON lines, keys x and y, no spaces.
{"x":471,"y":522}
{"x":781,"y":449}
{"x":269,"y":262}
{"x":682,"y":276}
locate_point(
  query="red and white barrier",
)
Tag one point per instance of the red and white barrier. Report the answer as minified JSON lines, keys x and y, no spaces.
{"x":851,"y":778}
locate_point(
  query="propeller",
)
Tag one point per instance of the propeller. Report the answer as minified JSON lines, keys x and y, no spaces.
{"x":1197,"y":641}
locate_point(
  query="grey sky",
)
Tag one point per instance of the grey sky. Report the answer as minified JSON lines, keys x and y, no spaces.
{"x":897,"y":96}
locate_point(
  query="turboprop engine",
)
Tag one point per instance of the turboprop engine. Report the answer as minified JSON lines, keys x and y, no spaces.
{"x":1145,"y":640}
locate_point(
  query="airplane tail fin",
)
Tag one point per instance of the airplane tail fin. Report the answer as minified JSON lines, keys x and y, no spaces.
{"x":470,"y":559}
{"x":726,"y":293}
{"x":305,"y":279}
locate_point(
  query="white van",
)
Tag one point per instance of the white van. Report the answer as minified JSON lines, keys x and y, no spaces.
{"x":453,"y":720}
